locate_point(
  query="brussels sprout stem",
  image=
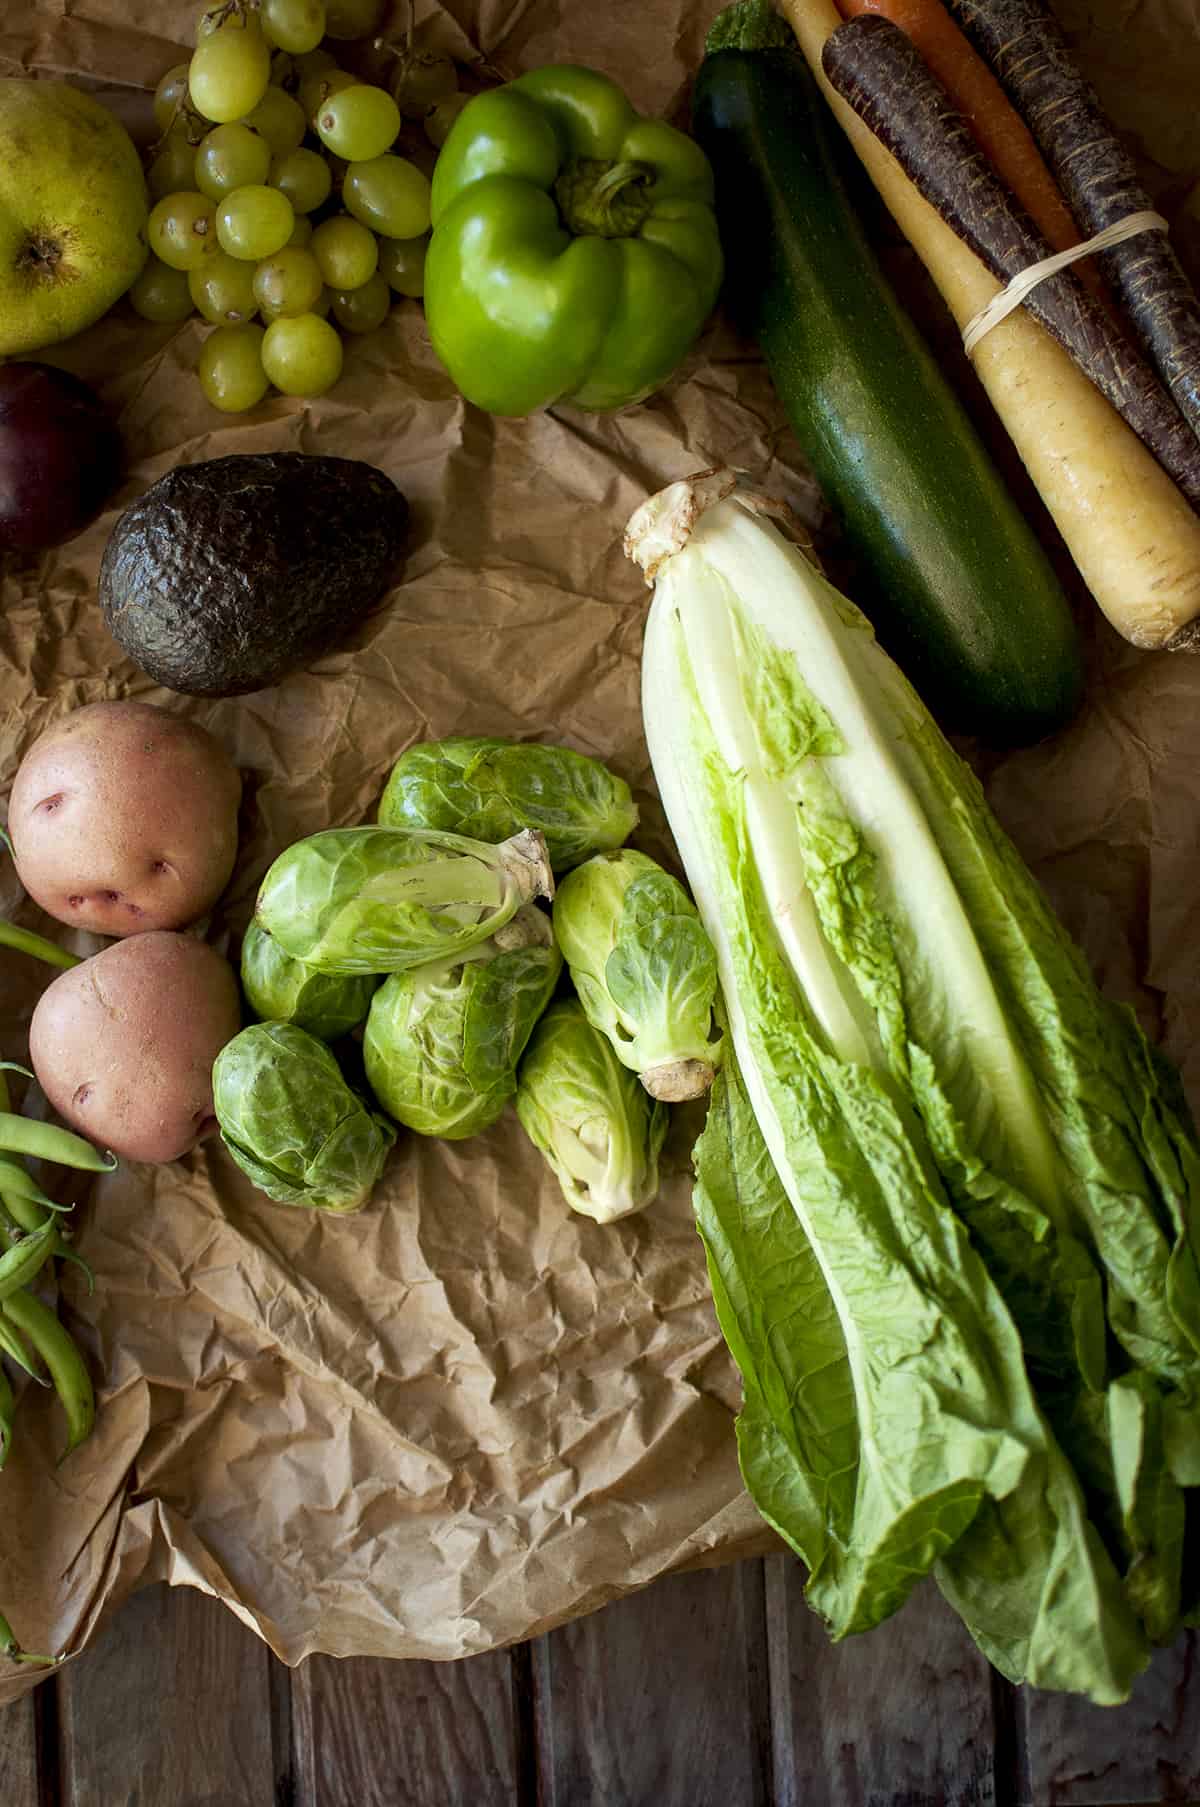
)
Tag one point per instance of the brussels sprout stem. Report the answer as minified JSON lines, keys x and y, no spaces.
{"x":530,"y":927}
{"x":676,"y":1080}
{"x":525,"y":857}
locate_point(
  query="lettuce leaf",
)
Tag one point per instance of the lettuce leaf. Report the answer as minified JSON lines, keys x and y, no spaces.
{"x":1028,"y":1574}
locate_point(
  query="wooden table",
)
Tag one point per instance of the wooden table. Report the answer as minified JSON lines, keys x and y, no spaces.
{"x":716,"y":1689}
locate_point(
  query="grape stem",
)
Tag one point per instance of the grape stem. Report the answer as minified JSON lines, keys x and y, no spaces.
{"x":389,"y":48}
{"x":230,"y":9}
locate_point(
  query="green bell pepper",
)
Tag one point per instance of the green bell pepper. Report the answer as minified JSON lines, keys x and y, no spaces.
{"x":574,"y":254}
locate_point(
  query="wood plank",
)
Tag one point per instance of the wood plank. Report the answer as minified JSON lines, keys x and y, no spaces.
{"x":900,"y":1715}
{"x":18,"y":1754}
{"x":368,"y":1733}
{"x":658,"y":1700}
{"x":1143,"y":1752}
{"x":172,"y":1706}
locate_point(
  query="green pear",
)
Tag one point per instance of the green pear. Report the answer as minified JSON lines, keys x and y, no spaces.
{"x":72,"y":213}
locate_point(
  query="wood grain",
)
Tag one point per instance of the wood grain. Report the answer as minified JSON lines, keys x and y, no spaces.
{"x":367,"y":1733}
{"x":899,"y":1717}
{"x":18,"y":1755}
{"x":170,"y":1708}
{"x":1146,"y":1751}
{"x":659,"y":1700}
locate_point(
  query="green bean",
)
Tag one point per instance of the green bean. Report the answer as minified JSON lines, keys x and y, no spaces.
{"x":66,"y":1254}
{"x":26,"y":942}
{"x":46,"y":1142}
{"x":12,"y":1650}
{"x":8,"y":1406}
{"x":25,"y":1259}
{"x":25,"y":1212}
{"x":66,"y":1365}
{"x":21,"y":1207}
{"x":15,"y":1182}
{"x":14,"y":1346}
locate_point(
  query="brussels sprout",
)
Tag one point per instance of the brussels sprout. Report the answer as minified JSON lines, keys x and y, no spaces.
{"x":282,"y":990}
{"x":375,"y":900}
{"x":442,"y":1041}
{"x":292,"y":1123}
{"x":491,"y":788}
{"x":645,"y":970}
{"x":597,"y":1127}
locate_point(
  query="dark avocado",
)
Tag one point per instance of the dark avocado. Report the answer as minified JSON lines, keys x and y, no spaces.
{"x":229,"y":574}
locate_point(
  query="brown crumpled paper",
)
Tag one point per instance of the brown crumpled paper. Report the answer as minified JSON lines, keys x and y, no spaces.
{"x":465,"y":1415}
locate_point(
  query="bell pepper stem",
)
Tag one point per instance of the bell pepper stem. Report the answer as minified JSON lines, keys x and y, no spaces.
{"x":601,"y":199}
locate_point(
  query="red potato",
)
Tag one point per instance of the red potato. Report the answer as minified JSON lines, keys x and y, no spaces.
{"x":123,"y":819}
{"x":123,"y":1044}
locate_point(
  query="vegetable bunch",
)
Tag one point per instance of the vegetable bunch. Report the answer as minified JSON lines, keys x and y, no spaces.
{"x":988,"y":148}
{"x":426,"y":925}
{"x":32,"y":1338}
{"x":948,"y":1191}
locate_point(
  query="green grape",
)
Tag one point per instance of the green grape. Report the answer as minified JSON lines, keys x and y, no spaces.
{"x":419,"y":81}
{"x":439,"y":120}
{"x":173,"y":171}
{"x":320,"y":306}
{"x":302,"y":356}
{"x":254,"y":222}
{"x":169,"y":96}
{"x":345,"y":251}
{"x":390,"y":195}
{"x":316,"y":89}
{"x":283,"y":69}
{"x":303,"y":177}
{"x":229,"y":72}
{"x":313,"y":62}
{"x":231,"y":368}
{"x":288,"y":283}
{"x":361,"y":310}
{"x":402,"y":264}
{"x":302,"y":233}
{"x":223,"y":290}
{"x":231,"y":156}
{"x":279,"y":119}
{"x":357,"y":123}
{"x":182,"y":229}
{"x":160,"y":293}
{"x":294,"y":25}
{"x":353,"y":18}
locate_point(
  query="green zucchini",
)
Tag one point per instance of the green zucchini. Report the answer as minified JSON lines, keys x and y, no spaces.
{"x":954,"y":579}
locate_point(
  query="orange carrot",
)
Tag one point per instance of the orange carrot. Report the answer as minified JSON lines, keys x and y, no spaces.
{"x":997,"y":127}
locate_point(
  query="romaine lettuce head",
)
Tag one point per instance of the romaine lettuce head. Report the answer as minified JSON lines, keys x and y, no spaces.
{"x":292,"y":1123}
{"x":491,"y":788}
{"x":443,"y":1040}
{"x":280,"y":989}
{"x":376,"y":900}
{"x":644,"y":968}
{"x":995,"y":1171}
{"x":598,"y":1128}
